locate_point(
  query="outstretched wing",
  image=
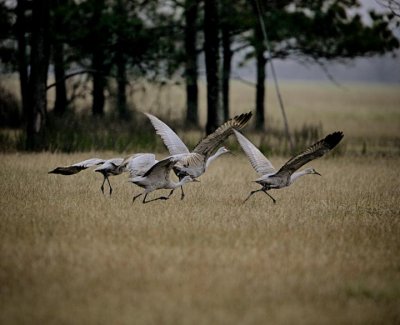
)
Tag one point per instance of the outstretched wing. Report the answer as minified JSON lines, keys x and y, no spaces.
{"x":110,"y":165}
{"x":170,"y":138}
{"x":139,"y":165}
{"x":161,"y":169}
{"x":77,"y":167}
{"x":90,"y":162}
{"x":210,"y":144}
{"x":314,"y":151}
{"x":259,"y":162}
{"x":192,"y":164}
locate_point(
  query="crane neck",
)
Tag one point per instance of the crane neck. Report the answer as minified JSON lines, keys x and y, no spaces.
{"x":213,"y":157}
{"x":297,"y":175}
{"x":183,"y":181}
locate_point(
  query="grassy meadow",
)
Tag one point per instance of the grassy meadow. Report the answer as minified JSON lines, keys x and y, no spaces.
{"x":326,"y":253}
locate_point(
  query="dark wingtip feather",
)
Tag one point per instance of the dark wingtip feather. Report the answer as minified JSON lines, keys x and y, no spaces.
{"x":66,"y":170}
{"x":247,"y":116}
{"x":58,"y":171}
{"x":243,"y":118}
{"x":333,"y":139}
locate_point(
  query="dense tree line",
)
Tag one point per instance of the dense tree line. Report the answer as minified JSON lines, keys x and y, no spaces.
{"x":130,"y":39}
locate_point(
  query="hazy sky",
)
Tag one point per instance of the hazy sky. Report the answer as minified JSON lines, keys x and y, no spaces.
{"x":376,"y":69}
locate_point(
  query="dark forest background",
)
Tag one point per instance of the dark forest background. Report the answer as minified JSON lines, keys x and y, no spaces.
{"x":128,"y":41}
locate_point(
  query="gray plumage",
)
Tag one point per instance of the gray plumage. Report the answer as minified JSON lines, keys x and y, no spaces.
{"x":109,"y":167}
{"x":286,"y":175}
{"x":196,"y":162}
{"x":77,"y":167}
{"x":156,"y":177}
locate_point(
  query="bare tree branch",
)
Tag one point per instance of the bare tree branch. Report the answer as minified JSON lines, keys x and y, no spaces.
{"x":392,"y":5}
{"x":71,"y":75}
{"x":327,"y":73}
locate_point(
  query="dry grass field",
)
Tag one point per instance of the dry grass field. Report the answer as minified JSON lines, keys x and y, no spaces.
{"x":326,"y":253}
{"x":367,"y":113}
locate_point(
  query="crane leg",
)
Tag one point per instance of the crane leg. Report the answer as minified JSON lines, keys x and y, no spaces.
{"x":260,"y":190}
{"x":158,"y":198}
{"x":182,"y":193}
{"x":170,"y":193}
{"x":109,"y":184}
{"x":136,"y":196}
{"x":252,"y":192}
{"x":102,"y":185}
{"x":265,"y":191}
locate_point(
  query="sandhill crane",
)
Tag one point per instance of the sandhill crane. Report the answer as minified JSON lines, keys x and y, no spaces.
{"x":286,"y":175}
{"x":157,"y":177}
{"x":139,"y":165}
{"x":197,"y":161}
{"x":110,"y":167}
{"x":77,"y":167}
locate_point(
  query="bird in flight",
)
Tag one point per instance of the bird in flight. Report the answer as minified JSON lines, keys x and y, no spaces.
{"x":197,"y":161}
{"x":287,"y":174}
{"x":109,"y":167}
{"x":156,"y":177}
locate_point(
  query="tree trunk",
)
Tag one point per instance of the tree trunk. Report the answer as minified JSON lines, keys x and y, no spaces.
{"x":60,"y":105}
{"x":39,"y":62}
{"x":260,"y":91}
{"x":98,"y":62}
{"x":191,"y":73}
{"x":226,"y":70}
{"x":123,"y":112}
{"x":121,"y":63}
{"x":211,"y":47}
{"x":261,"y":62}
{"x":22,"y":57}
{"x":99,"y":83}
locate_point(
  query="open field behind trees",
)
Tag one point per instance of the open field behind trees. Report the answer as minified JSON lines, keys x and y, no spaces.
{"x":326,"y":253}
{"x":369,"y":115}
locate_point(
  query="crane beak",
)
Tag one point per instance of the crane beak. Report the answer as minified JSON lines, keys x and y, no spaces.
{"x":196,"y":180}
{"x":316,"y":173}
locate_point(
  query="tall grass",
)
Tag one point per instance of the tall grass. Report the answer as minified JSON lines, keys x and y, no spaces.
{"x":325,"y":253}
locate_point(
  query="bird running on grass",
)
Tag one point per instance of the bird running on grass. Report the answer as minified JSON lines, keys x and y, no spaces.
{"x":196,"y":162}
{"x":155,"y":178}
{"x":286,"y":175}
{"x":110,"y":167}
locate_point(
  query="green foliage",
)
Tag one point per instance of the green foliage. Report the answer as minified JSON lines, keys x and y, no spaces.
{"x":329,"y":30}
{"x":135,"y":30}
